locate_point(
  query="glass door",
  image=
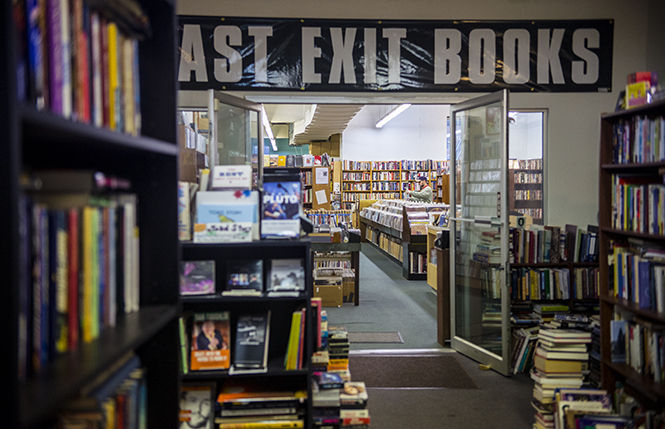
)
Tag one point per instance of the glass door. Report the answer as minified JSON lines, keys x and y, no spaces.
{"x":238,"y":134}
{"x":480,"y":300}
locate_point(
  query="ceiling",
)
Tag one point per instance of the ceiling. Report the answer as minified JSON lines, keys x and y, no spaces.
{"x":313,"y":122}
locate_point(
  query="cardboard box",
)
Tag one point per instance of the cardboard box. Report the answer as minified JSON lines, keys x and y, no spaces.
{"x":187,"y":166}
{"x":331,"y":295}
{"x":348,"y":286}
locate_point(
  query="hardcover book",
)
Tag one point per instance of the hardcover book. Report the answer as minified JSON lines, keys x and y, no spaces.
{"x":244,"y":277}
{"x":287,"y":277}
{"x":251,"y":341}
{"x":197,"y":277}
{"x":618,"y":341}
{"x":210,"y":341}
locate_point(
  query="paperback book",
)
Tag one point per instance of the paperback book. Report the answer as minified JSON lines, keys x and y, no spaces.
{"x":251,"y":341}
{"x":226,"y":216}
{"x":197,"y":277}
{"x":281,"y":208}
{"x":196,"y":406}
{"x":244,"y":277}
{"x":210,"y":341}
{"x":287,"y":277}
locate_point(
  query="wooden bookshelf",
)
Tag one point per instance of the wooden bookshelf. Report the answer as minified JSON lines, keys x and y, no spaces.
{"x":400,"y":176}
{"x":642,"y":386}
{"x":36,"y":139}
{"x":525,"y":193}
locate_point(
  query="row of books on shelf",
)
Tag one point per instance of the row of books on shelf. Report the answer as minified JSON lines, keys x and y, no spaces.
{"x":528,"y":178}
{"x":357,"y":196}
{"x":525,"y":164}
{"x":357,"y":177}
{"x":383,"y":175}
{"x":118,"y":401}
{"x":329,"y":217}
{"x":545,"y":283}
{"x":243,"y":277}
{"x":306,"y":177}
{"x":638,"y":204}
{"x":81,"y":60}
{"x":525,"y":195}
{"x":389,"y":244}
{"x":242,"y":404}
{"x":417,"y":263}
{"x":385,"y":186}
{"x":637,"y":274}
{"x":639,"y":344}
{"x":79,"y":270}
{"x":638,"y":139}
{"x":305,"y":160}
{"x":553,"y":244}
{"x":425,"y":165}
{"x":209,"y":342}
{"x":363,"y":186}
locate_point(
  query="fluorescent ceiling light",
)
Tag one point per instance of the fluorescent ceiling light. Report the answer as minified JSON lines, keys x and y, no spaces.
{"x":392,"y":114}
{"x":268,"y":128}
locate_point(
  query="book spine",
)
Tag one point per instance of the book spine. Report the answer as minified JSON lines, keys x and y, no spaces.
{"x":73,"y":278}
{"x":113,"y":83}
{"x":96,"y":63}
{"x":55,"y":56}
{"x":65,"y":31}
{"x":61,"y":295}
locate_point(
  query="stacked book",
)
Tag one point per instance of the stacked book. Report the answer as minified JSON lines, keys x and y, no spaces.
{"x":561,"y":359}
{"x":256,"y":406}
{"x":548,"y":312}
{"x":338,"y":348}
{"x":353,"y":411}
{"x":326,"y":403}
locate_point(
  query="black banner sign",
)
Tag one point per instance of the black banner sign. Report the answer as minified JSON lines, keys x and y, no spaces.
{"x":367,"y":55}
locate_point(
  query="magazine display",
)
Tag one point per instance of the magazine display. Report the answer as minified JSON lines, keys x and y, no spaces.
{"x":210,"y":341}
{"x":287,"y":277}
{"x":197,"y":277}
{"x":244,"y":277}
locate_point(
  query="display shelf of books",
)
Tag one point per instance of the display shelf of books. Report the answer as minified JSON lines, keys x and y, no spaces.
{"x":632,"y":252}
{"x":399,"y":229}
{"x":258,"y":297}
{"x":525,"y":180}
{"x":384,"y":179}
{"x":88,"y":231}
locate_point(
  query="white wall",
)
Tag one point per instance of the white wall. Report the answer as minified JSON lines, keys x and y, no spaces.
{"x":573,"y":133}
{"x":417,"y":133}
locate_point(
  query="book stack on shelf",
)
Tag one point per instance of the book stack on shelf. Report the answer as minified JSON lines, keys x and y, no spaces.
{"x":560,"y":360}
{"x":329,"y":217}
{"x":253,"y":405}
{"x":632,"y":253}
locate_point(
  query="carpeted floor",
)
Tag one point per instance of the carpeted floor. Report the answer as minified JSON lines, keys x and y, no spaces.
{"x":388,"y":337}
{"x":410,"y":371}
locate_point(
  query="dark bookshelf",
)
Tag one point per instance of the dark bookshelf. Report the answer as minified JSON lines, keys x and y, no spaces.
{"x":281,"y":310}
{"x":642,"y":387}
{"x":34,"y":139}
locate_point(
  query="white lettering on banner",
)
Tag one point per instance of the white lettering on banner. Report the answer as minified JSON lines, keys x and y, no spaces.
{"x":260,"y":35}
{"x":342,"y":55}
{"x":309,"y":52}
{"x":192,"y":57}
{"x":370,"y":55}
{"x":229,"y":68}
{"x":394,"y":36}
{"x":482,"y":53}
{"x":447,"y":62}
{"x":516,"y":67}
{"x":548,"y":56}
{"x":584,"y":38}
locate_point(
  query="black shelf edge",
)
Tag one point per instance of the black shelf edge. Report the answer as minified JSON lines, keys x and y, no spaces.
{"x":635,"y":110}
{"x":68,"y":374}
{"x":634,"y":167}
{"x":258,"y":243}
{"x":644,"y":385}
{"x":48,"y":127}
{"x":221,"y":299}
{"x":416,"y":276}
{"x":223,"y":374}
{"x":634,"y":308}
{"x":631,"y":234}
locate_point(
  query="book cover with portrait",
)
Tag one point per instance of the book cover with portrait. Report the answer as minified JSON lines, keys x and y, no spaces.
{"x":210,"y":341}
{"x":280,"y":217}
{"x":244,"y":277}
{"x":287,"y":277}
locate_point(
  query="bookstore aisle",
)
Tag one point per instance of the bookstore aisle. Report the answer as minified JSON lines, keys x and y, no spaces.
{"x":419,"y":383}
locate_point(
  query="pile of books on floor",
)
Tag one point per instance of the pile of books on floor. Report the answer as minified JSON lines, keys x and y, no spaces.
{"x":561,"y":361}
{"x":338,"y":402}
{"x":338,"y":348}
{"x":255,"y":405}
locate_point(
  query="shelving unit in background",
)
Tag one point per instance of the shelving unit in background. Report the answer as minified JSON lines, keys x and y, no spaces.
{"x":42,"y":139}
{"x":525,"y":181}
{"x":627,"y":163}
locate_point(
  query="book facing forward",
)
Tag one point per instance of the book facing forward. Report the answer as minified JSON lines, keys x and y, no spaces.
{"x":210,"y":341}
{"x":244,"y":277}
{"x":252,"y":338}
